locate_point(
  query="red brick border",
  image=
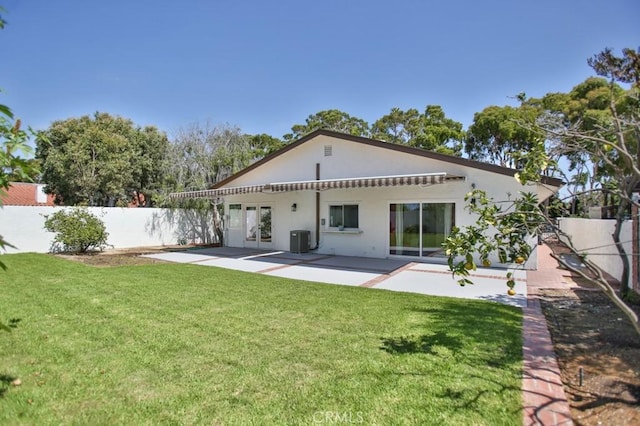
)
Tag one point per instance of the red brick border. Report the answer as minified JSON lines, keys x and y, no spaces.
{"x":543,"y":394}
{"x":544,"y":400}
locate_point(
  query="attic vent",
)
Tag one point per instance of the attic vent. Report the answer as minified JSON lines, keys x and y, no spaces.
{"x":328,"y":150}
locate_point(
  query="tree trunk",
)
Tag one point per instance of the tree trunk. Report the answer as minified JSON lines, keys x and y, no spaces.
{"x":626,"y":266}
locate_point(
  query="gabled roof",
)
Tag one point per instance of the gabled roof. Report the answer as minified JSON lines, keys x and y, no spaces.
{"x":24,"y":194}
{"x":385,"y":145}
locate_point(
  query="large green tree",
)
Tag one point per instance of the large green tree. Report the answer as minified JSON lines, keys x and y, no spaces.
{"x":100,"y":160}
{"x":431,"y":130}
{"x":332,"y":119}
{"x":497,"y":134}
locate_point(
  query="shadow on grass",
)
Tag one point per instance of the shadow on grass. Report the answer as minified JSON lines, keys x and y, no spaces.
{"x":420,"y":344}
{"x":472,"y":399}
{"x":482,"y":334}
{"x":5,"y":382}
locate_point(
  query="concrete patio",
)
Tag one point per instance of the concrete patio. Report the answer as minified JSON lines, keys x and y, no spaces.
{"x":388,"y":274}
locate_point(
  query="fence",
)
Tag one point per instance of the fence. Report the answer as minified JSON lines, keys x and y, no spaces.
{"x":23,"y":227}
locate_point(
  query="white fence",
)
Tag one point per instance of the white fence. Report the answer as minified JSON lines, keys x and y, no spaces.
{"x":594,"y":237}
{"x":23,"y":227}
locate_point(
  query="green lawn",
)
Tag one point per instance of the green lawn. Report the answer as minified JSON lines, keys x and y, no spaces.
{"x":186,"y":344}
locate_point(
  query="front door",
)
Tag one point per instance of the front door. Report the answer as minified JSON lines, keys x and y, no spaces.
{"x":258,"y":228}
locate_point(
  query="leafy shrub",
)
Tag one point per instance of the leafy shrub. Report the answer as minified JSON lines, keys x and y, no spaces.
{"x":77,"y":231}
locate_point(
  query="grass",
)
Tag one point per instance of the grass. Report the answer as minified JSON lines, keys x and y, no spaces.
{"x":186,"y":344}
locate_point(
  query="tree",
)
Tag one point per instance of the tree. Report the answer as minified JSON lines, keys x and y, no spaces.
{"x":398,"y":127}
{"x":498,"y":136}
{"x":430,"y":130}
{"x":201,"y":155}
{"x":332,"y":119}
{"x":13,"y":142}
{"x":263,"y":145}
{"x":100,"y":160}
{"x":586,"y":108}
{"x":612,"y":137}
{"x":148,"y":163}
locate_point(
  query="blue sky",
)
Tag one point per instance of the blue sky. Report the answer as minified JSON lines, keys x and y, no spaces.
{"x":266,"y":65}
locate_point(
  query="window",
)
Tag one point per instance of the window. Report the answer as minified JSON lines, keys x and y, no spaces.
{"x":345,"y":216}
{"x":235,"y":215}
{"x":419,"y":229}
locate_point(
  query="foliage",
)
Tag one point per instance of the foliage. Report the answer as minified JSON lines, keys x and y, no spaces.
{"x":77,"y":230}
{"x":13,"y":142}
{"x":498,"y":136}
{"x":332,"y":119}
{"x":101,"y":160}
{"x":597,"y":123}
{"x":263,"y":145}
{"x":499,"y":229}
{"x":170,"y":343}
{"x":431,"y":130}
{"x":201,"y":155}
{"x":148,"y":164}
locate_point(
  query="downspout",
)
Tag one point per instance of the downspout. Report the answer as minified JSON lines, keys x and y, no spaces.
{"x":317,"y":210}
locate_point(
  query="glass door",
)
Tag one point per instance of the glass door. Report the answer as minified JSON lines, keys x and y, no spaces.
{"x":258,"y":226}
{"x":404,"y":229}
{"x":265,"y":226}
{"x":419,"y":229}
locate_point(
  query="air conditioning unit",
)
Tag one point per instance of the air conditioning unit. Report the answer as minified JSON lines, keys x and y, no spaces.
{"x":299,"y":241}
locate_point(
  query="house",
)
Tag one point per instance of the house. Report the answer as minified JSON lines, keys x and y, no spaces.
{"x":25,"y":194}
{"x":354,"y":196}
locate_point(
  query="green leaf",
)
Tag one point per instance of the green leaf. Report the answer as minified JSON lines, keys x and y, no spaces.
{"x":6,"y":111}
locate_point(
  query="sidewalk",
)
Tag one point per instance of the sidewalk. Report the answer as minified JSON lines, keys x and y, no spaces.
{"x":544,"y":399}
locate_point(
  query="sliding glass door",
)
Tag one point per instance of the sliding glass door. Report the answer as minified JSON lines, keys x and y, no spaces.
{"x":419,"y":229}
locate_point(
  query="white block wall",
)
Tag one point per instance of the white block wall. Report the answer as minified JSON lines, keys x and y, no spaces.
{"x":23,"y":227}
{"x":594,"y":237}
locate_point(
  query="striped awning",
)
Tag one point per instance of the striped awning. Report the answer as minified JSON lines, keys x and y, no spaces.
{"x":216,"y":193}
{"x":421,"y":179}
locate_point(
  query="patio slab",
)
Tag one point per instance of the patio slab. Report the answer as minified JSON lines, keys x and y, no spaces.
{"x":323,"y":275}
{"x":179,"y":257}
{"x":440,"y":284}
{"x":365,"y":264}
{"x":245,"y":265}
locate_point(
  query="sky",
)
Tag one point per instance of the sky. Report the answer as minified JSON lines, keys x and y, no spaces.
{"x":265,"y":65}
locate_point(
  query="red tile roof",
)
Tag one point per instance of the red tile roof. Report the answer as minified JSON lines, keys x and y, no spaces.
{"x":23,"y":194}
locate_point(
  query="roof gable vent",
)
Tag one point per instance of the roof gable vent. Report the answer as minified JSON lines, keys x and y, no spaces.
{"x":328,"y":150}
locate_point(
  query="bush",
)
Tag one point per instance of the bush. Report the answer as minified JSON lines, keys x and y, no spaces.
{"x":77,"y":231}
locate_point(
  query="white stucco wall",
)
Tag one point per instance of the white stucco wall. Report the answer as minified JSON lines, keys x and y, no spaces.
{"x":350,"y":159}
{"x":594,"y":237}
{"x":23,"y":227}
